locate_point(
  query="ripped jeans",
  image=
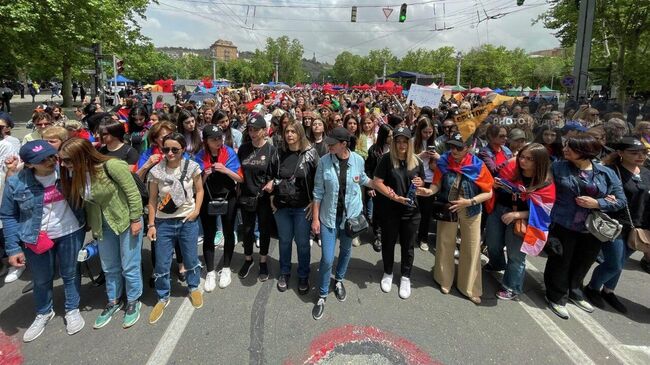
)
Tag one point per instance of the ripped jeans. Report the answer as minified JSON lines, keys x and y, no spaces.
{"x":168,"y":231}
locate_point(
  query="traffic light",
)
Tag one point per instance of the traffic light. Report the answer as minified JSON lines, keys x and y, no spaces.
{"x":353,"y":18}
{"x":119,"y":65}
{"x":402,"y":13}
{"x":520,"y":2}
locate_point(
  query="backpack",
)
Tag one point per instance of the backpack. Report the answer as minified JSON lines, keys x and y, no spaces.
{"x":142,"y":187}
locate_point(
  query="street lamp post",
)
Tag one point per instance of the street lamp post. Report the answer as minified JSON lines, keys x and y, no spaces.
{"x":459,"y":57}
{"x":276,"y":63}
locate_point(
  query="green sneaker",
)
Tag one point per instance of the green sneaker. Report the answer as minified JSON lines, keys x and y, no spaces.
{"x":107,"y":314}
{"x":132,"y":314}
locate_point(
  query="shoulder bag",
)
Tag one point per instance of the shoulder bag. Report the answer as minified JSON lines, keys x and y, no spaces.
{"x":638,"y":239}
{"x":441,"y":210}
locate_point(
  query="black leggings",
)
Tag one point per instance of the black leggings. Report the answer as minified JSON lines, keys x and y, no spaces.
{"x":209,"y":223}
{"x":407,"y":229}
{"x":264,"y":216}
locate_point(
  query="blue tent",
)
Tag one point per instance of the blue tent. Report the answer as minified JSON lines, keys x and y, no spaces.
{"x":120,"y":80}
{"x":498,"y":91}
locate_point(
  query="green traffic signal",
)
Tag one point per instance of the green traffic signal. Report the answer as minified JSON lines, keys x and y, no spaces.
{"x":402,"y":13}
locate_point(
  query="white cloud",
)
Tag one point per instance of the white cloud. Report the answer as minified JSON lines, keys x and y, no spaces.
{"x":328,"y":31}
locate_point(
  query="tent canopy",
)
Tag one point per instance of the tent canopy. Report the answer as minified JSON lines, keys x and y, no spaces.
{"x":458,"y":88}
{"x":121,"y":79}
{"x":498,"y":91}
{"x":410,"y":75}
{"x":546,"y":89}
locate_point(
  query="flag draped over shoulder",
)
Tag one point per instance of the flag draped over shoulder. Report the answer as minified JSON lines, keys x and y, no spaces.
{"x":471,"y":167}
{"x":227,"y":157}
{"x":540,"y":203}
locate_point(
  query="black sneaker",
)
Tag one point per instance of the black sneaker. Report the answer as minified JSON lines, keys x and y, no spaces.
{"x":264,"y":272}
{"x":612,"y":300}
{"x":594,"y":297}
{"x":376,"y":245}
{"x":245,"y":269}
{"x":303,"y":286}
{"x":319,"y":308}
{"x":339,"y":291}
{"x":283,"y":282}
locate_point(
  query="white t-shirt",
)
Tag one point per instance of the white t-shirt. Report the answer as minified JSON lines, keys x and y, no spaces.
{"x":58,"y":218}
{"x":164,"y":187}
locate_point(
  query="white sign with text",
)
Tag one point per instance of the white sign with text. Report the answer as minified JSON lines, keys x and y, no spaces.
{"x":424,"y":96}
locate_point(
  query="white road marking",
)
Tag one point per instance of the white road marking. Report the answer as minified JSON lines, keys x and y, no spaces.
{"x":606,"y":339}
{"x":173,"y":333}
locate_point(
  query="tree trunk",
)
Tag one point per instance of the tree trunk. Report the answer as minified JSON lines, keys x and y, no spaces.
{"x":620,"y":74}
{"x":67,"y":83}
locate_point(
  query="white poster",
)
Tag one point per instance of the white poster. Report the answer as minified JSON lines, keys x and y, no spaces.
{"x":424,"y":96}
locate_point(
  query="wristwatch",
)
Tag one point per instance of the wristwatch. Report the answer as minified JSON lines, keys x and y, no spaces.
{"x":473,"y":201}
{"x":151,"y":225}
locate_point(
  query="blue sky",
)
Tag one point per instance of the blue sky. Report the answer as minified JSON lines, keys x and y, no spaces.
{"x":324,"y":27}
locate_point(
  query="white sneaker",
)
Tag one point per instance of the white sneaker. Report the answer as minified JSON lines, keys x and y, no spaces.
{"x":37,"y":327}
{"x":224,"y":277}
{"x":405,"y":288}
{"x":311,"y":242}
{"x":356,"y":242}
{"x":13,"y":274}
{"x":74,"y":322}
{"x":199,"y":241}
{"x":210,"y":281}
{"x":257,"y":242}
{"x":386,"y":282}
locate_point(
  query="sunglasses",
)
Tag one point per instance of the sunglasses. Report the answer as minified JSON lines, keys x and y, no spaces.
{"x":173,"y":150}
{"x":43,"y":124}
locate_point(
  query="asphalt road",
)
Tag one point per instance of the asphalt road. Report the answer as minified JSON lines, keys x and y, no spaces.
{"x":251,"y":322}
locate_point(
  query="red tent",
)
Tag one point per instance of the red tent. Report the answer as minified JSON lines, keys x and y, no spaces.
{"x":167,"y":85}
{"x":390,"y":87}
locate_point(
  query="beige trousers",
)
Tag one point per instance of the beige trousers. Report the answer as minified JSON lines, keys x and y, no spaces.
{"x":469,"y":264}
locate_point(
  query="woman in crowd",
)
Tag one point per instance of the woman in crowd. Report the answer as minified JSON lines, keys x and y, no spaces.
{"x":525,"y":185}
{"x":351,"y":123}
{"x":496,"y":155}
{"x":642,"y":132}
{"x":105,"y":188}
{"x":424,"y":148}
{"x":397,"y":175}
{"x":381,"y":146}
{"x":41,"y":120}
{"x":582,"y":186}
{"x":153,"y":154}
{"x":464,"y":182}
{"x":317,"y":136}
{"x":232,"y":137}
{"x":292,"y":203}
{"x":112,"y":134}
{"x":259,"y":161}
{"x":631,"y":153}
{"x":367,"y":136}
{"x":221,"y":173}
{"x":550,"y":138}
{"x":35,"y":213}
{"x":55,"y":136}
{"x":137,"y":128}
{"x":186,"y":124}
{"x":58,"y":117}
{"x":337,"y":198}
{"x":175,"y":199}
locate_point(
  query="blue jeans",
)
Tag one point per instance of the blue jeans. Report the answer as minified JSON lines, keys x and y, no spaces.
{"x":168,"y":232}
{"x":121,"y":261}
{"x":498,"y":235}
{"x":41,"y":266}
{"x":328,"y":246}
{"x":608,"y":273}
{"x":293,"y":225}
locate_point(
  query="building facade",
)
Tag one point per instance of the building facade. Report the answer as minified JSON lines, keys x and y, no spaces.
{"x":224,"y":50}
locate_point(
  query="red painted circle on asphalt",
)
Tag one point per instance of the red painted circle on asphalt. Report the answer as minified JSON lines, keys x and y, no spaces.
{"x":325,"y":345}
{"x":10,"y":351}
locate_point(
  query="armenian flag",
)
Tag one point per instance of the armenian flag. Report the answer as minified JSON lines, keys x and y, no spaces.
{"x":471,"y":167}
{"x":227,"y":157}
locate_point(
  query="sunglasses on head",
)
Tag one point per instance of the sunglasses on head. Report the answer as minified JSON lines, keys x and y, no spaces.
{"x":173,"y":150}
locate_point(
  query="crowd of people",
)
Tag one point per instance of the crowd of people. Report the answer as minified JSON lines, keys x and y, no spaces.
{"x":318,"y":168}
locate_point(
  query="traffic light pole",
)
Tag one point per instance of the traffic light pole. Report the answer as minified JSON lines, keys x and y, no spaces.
{"x":583,"y":48}
{"x":115,"y":95}
{"x":97,"y":49}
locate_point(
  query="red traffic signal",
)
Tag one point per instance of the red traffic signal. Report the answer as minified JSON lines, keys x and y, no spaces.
{"x":119,"y":66}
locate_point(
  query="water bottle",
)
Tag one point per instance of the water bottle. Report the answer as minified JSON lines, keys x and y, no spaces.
{"x":88,"y":251}
{"x":411,"y":195}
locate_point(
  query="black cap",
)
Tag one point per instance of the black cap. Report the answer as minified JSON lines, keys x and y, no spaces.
{"x":212,"y":131}
{"x":338,"y":134}
{"x":401,"y":131}
{"x":630,"y":143}
{"x":457,"y":140}
{"x":256,"y":121}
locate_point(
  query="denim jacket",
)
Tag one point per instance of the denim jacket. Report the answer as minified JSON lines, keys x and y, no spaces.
{"x":487,"y":155}
{"x":468,"y":188}
{"x":326,"y":187}
{"x":22,"y":209}
{"x":565,"y":209}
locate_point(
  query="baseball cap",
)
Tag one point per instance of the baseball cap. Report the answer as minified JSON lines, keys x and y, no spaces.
{"x":630,"y":143}
{"x":35,"y":152}
{"x":401,"y":131}
{"x":337,"y":135}
{"x":256,"y":121}
{"x":573,"y":125}
{"x":212,"y":131}
{"x":457,"y":140}
{"x":516,"y":134}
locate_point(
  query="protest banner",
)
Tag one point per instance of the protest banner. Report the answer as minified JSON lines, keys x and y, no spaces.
{"x":468,"y":122}
{"x":424,"y":96}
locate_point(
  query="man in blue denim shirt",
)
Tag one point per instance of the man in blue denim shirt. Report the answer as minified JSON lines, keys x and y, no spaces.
{"x":337,"y":197}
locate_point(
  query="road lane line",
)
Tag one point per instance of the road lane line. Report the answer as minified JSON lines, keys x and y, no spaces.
{"x":173,"y":333}
{"x":606,"y":339}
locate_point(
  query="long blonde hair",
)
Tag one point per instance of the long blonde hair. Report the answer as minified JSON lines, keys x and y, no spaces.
{"x":411,"y":159}
{"x":86,"y":160}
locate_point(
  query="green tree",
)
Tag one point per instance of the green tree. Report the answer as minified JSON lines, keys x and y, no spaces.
{"x":288,"y":53}
{"x":620,"y":37}
{"x":347,"y":69}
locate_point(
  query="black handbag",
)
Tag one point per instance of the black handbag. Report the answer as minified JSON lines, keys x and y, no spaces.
{"x":440,"y":211}
{"x":354,"y":227}
{"x":217,"y":206}
{"x":248,"y":203}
